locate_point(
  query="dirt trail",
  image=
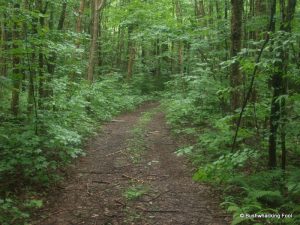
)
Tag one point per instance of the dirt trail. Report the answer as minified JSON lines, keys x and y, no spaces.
{"x":108,"y":188}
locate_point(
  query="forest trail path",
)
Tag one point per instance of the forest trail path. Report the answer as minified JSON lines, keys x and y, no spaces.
{"x":109,"y":187}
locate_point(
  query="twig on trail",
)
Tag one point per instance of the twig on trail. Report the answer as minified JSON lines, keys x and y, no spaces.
{"x":58,"y":212}
{"x":88,"y":189}
{"x":121,"y":203}
{"x":162,"y":211}
{"x":113,"y":215}
{"x":100,"y":182}
{"x":154,"y":132}
{"x":158,"y":211}
{"x":72,"y":189}
{"x":157,"y":196}
{"x":97,"y":172}
{"x":157,"y":175}
{"x":118,"y":121}
{"x":92,"y":172}
{"x":133,"y":178}
{"x":113,"y":153}
{"x":154,"y":177}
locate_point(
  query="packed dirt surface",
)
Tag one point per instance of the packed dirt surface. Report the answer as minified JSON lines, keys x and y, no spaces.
{"x":109,"y":187}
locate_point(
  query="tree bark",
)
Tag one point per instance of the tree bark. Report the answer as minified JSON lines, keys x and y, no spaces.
{"x":279,"y":85}
{"x":42,"y":9}
{"x":3,"y":47}
{"x":53,"y":55}
{"x":32,"y":74}
{"x":98,"y":4}
{"x":157,"y":54}
{"x":131,"y":52}
{"x":271,"y":28}
{"x":260,"y":11}
{"x":16,"y":71}
{"x":199,"y":9}
{"x":236,"y":44}
{"x":119,"y":59}
{"x":180,"y":49}
{"x":79,"y":17}
{"x":180,"y":57}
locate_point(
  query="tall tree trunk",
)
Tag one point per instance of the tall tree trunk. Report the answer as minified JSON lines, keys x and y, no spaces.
{"x":98,"y":4}
{"x":16,"y":64}
{"x":32,"y":75}
{"x":166,"y":57}
{"x":130,"y":51}
{"x":236,"y":44}
{"x":3,"y":47}
{"x":226,"y":39}
{"x":260,"y":11}
{"x":172,"y":61}
{"x":79,"y":17}
{"x":119,"y":59}
{"x":180,"y":49}
{"x":79,"y":20}
{"x":218,"y":11}
{"x":41,"y":89}
{"x":279,"y":84}
{"x":30,"y":98}
{"x":51,"y":62}
{"x":78,"y":29}
{"x":210,"y":13}
{"x":157,"y":56}
{"x":143,"y":54}
{"x":180,"y":57}
{"x":131,"y":59}
{"x":60,"y":25}
{"x":199,"y":9}
{"x":187,"y":48}
{"x":226,"y":9}
{"x":99,"y":57}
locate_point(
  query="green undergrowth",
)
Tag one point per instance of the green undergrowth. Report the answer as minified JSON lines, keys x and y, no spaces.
{"x":34,"y":150}
{"x":136,"y":144}
{"x":247,"y":186}
{"x":134,"y":192}
{"x":131,"y":194}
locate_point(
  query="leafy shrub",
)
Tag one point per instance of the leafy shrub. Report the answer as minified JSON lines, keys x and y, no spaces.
{"x":225,"y":167}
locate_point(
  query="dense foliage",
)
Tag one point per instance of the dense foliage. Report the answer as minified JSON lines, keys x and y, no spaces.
{"x":46,"y":118}
{"x":199,"y":103}
{"x":227,"y":71}
{"x":31,"y":159}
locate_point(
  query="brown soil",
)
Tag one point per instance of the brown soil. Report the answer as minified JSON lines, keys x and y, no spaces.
{"x":94,"y":192}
